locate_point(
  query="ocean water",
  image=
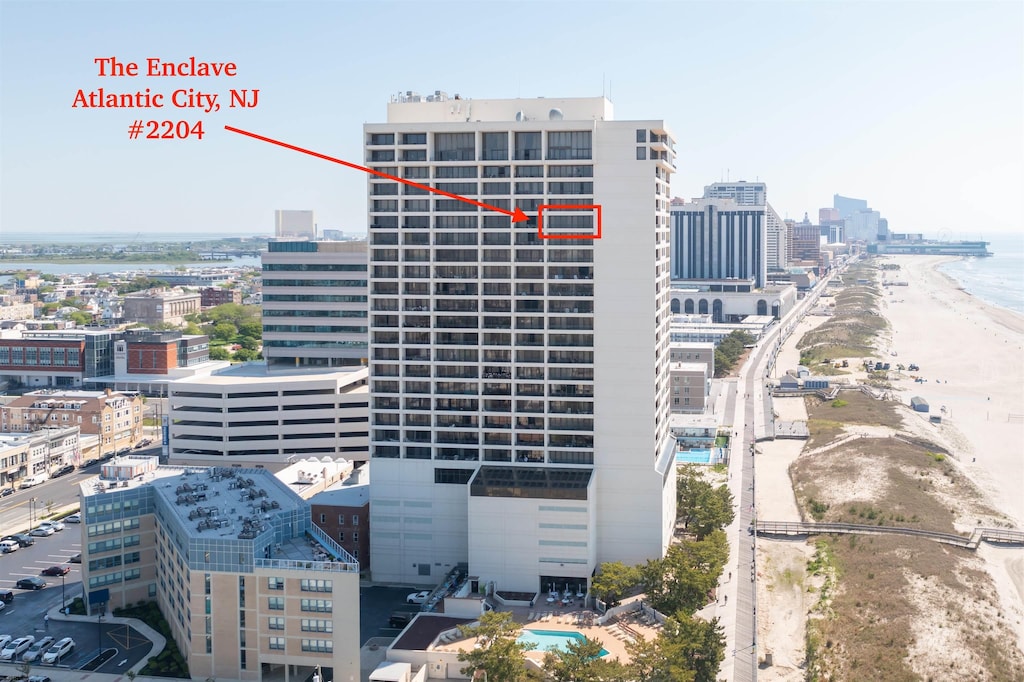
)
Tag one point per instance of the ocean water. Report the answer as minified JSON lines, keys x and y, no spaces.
{"x":999,"y":279}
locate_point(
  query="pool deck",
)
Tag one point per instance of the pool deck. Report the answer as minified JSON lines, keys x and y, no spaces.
{"x":613,"y":636}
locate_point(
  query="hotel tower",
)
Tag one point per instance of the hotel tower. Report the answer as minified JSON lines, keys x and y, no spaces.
{"x":519,"y":372}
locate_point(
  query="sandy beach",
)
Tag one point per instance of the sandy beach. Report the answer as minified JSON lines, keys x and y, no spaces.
{"x":971,"y":356}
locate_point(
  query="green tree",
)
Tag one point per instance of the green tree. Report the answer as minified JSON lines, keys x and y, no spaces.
{"x":219,"y":353}
{"x":192,"y":329}
{"x":246,"y":355}
{"x":251,"y":328}
{"x":614,"y":580}
{"x":581,"y":661}
{"x":498,"y":653}
{"x":700,"y":507}
{"x":80,"y":318}
{"x":683,"y":580}
{"x":224,"y":331}
{"x":249,"y":343}
{"x":690,"y":645}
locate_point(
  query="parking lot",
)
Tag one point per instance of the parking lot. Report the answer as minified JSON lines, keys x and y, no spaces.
{"x":24,"y":615}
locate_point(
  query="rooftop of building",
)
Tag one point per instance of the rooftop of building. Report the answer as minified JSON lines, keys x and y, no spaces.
{"x":257,"y":373}
{"x":352,"y":491}
{"x":688,"y":366}
{"x":163,"y":294}
{"x":311,"y":476}
{"x":221,"y":502}
{"x":10,"y":440}
{"x":424,"y":629}
{"x":438,"y":107}
{"x":692,"y":421}
{"x":692,"y":345}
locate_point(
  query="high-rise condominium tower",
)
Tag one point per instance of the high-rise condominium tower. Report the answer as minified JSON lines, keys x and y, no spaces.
{"x":519,"y":395}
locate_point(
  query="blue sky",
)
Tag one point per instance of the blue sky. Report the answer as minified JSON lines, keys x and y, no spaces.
{"x":917,"y":107}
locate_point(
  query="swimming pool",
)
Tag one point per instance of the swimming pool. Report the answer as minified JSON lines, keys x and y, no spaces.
{"x":552,"y":639}
{"x":702,"y":456}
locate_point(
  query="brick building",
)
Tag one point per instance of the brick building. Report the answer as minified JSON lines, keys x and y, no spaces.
{"x":214,"y":296}
{"x":342,"y":511}
{"x":150,"y":352}
{"x":116,"y":417}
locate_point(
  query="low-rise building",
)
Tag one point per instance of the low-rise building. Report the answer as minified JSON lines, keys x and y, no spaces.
{"x":691,"y":384}
{"x":214,"y":296}
{"x":160,"y":306}
{"x":250,"y":588}
{"x":247,"y":416}
{"x":693,"y":351}
{"x":342,"y":511}
{"x":116,"y":417}
{"x":39,"y":452}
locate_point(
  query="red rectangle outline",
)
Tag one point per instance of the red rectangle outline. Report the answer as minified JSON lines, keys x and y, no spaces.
{"x":568,"y":207}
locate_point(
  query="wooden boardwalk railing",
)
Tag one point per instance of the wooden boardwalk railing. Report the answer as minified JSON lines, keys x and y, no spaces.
{"x":979,"y":535}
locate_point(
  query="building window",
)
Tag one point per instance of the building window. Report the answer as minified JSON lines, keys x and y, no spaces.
{"x":275,"y":603}
{"x":355,"y":537}
{"x":323,"y":518}
{"x":318,"y":605}
{"x":277,"y":643}
{"x":324,"y":646}
{"x":311,"y":585}
{"x":341,"y":536}
{"x":355,"y":519}
{"x":275,"y":583}
{"x":276,"y":623}
{"x":314,"y":625}
{"x":641,"y":135}
{"x":341,"y":519}
{"x":641,"y":153}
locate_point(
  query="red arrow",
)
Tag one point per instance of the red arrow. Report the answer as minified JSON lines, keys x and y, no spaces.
{"x":517,"y":215}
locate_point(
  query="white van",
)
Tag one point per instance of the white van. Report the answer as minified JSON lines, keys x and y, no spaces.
{"x":30,"y":481}
{"x":8,"y":546}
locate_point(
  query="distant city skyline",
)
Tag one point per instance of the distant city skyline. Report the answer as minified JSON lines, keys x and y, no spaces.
{"x":926,"y":124}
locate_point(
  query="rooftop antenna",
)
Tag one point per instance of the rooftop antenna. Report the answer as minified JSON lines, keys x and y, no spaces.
{"x":603,"y":91}
{"x":727,"y":175}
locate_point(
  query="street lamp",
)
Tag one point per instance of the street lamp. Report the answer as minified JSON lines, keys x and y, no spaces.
{"x":31,"y":509}
{"x":63,"y":599}
{"x":99,"y":628}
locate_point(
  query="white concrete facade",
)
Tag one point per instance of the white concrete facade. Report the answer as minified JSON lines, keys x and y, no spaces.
{"x":250,"y":417}
{"x":495,"y":352}
{"x":719,"y":239}
{"x":294,"y":224}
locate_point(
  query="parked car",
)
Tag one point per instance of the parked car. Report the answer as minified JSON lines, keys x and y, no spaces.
{"x":88,"y":463}
{"x":6,"y":491}
{"x":4,"y":639}
{"x":56,"y":570}
{"x":37,"y":649}
{"x":38,"y":678}
{"x":399,"y":619}
{"x":61,"y":648}
{"x":32,"y":583}
{"x":418,"y":597}
{"x":15,"y":647}
{"x":75,"y":559}
{"x":7,"y":546}
{"x":20,"y":538}
{"x":73,"y":518}
{"x":6,"y":596}
{"x":63,"y":471}
{"x":3,"y":605}
{"x":42,"y":531}
{"x":56,"y":525}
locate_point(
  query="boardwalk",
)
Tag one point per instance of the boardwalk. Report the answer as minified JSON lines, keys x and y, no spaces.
{"x":997,"y":536}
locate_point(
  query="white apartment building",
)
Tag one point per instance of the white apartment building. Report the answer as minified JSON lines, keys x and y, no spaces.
{"x":742,"y":192}
{"x":314,"y":304}
{"x":776,"y":245}
{"x":520,"y":392}
{"x":249,"y":416}
{"x":250,"y":588}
